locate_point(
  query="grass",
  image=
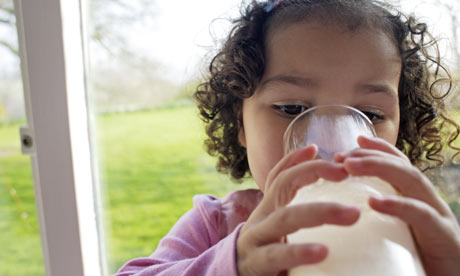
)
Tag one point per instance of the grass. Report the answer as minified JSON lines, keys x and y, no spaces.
{"x":19,"y":235}
{"x":154,"y":163}
{"x":151,"y":163}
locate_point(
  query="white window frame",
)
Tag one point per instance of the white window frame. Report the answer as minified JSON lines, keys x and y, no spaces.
{"x":51,"y":41}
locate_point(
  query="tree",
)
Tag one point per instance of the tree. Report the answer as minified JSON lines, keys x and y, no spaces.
{"x":451,"y":9}
{"x":8,"y":19}
{"x":104,"y":18}
{"x":108,"y":22}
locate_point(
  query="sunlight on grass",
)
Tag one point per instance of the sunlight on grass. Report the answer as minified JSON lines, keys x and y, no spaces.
{"x":19,"y":235}
{"x":152,"y":162}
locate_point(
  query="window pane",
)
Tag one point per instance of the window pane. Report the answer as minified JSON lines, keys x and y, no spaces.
{"x":443,"y":24}
{"x":146,"y":58}
{"x":21,"y":252}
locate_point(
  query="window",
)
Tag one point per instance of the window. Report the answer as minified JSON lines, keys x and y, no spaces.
{"x":19,"y":230}
{"x":116,"y":143}
{"x":146,"y":59}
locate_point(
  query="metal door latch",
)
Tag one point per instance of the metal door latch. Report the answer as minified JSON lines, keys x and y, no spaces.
{"x":27,"y":141}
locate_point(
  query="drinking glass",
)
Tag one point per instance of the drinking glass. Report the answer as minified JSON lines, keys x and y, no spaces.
{"x":377,"y":244}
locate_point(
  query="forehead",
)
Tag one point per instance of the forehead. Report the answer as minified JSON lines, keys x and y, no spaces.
{"x":349,"y":15}
{"x":300,"y":42}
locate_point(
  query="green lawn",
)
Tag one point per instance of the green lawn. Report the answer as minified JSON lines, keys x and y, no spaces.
{"x":151,"y":165}
{"x":19,"y":236}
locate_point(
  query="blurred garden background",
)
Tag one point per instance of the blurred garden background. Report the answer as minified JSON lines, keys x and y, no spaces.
{"x":145,"y":59}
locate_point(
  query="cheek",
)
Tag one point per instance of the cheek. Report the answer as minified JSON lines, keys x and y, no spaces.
{"x":390,"y":137}
{"x":389,"y":130}
{"x":396,"y":121}
{"x":264,"y":150}
{"x":263,"y":155}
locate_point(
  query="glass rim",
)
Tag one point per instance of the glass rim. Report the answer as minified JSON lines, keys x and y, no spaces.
{"x":311,"y":109}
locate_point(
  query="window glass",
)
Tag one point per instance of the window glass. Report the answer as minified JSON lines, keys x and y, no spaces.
{"x":146,"y":59}
{"x":443,"y":23}
{"x":21,"y":252}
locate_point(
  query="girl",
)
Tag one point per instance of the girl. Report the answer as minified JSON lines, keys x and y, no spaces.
{"x":281,"y":58}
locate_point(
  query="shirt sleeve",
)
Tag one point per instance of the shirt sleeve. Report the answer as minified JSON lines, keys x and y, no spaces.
{"x":197,"y":245}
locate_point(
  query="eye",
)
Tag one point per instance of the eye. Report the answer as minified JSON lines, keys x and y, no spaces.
{"x":373,"y":116}
{"x":289,"y":110}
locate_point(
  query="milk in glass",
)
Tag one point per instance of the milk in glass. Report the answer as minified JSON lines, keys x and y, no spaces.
{"x":377,"y":244}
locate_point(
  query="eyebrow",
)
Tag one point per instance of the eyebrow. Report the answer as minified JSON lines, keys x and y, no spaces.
{"x":309,"y":82}
{"x":294,"y":80}
{"x":378,"y":88}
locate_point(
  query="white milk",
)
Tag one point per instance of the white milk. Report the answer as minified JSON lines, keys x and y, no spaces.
{"x":377,"y":244}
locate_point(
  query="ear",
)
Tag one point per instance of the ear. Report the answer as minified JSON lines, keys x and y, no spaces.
{"x":238,"y":109}
{"x":242,"y":135}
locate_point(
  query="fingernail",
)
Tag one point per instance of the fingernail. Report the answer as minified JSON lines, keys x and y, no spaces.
{"x":350,"y":213}
{"x":313,"y":252}
{"x":338,"y":156}
{"x":376,"y":197}
{"x":316,"y":248}
{"x":313,"y":146}
{"x":353,"y":161}
{"x":379,"y":202}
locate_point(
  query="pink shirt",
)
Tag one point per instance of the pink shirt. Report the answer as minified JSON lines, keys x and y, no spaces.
{"x":203,"y":241}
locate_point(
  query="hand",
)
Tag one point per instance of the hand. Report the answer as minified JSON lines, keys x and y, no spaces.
{"x":434,"y":227}
{"x":260,"y":250}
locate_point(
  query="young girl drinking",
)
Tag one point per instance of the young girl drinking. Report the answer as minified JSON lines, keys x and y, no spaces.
{"x":281,"y":58}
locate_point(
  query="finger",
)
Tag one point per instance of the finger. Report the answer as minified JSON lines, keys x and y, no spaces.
{"x":277,"y":257}
{"x":286,"y":184}
{"x":292,"y":218}
{"x":408,"y":180}
{"x":361,"y":152}
{"x":301,"y":155}
{"x":381,"y":145}
{"x":435,"y":235}
{"x":372,"y":146}
{"x":427,"y":223}
{"x":292,"y":159}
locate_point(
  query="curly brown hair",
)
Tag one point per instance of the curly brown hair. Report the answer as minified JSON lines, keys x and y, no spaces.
{"x":236,"y":70}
